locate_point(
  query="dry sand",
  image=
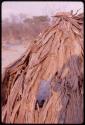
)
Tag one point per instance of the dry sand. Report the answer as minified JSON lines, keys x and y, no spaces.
{"x":10,"y":53}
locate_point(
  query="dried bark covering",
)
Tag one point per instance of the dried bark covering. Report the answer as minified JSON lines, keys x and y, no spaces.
{"x":55,"y":58}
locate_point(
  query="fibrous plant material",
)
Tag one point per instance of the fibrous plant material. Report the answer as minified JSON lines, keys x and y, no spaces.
{"x":46,"y":84}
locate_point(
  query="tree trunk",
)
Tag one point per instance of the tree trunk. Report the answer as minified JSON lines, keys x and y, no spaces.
{"x":46,"y":84}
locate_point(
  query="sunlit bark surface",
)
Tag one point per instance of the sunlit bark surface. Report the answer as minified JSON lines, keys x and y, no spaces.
{"x":46,"y":84}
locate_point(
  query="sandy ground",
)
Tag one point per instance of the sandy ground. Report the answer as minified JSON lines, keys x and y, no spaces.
{"x":10,"y":53}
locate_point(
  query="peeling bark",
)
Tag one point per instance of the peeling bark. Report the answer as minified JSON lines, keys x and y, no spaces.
{"x":57,"y":55}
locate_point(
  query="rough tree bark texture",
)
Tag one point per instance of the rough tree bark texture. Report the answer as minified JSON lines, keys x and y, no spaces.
{"x":46,"y":84}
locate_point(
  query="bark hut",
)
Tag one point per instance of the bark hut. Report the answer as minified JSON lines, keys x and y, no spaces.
{"x":46,"y":84}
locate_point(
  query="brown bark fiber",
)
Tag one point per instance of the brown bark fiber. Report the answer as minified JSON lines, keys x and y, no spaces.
{"x":54,"y":61}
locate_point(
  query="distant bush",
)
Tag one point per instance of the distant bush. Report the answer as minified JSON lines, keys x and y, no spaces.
{"x":23,"y":29}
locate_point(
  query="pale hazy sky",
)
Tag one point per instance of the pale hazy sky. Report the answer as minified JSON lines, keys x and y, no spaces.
{"x":38,"y":8}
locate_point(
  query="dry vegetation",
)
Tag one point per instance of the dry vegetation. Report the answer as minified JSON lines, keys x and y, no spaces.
{"x":23,"y":29}
{"x":53,"y":61}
